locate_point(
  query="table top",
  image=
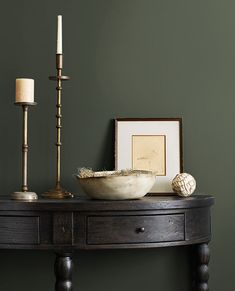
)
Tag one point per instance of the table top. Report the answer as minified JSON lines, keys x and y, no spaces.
{"x":83,"y":223}
{"x":86,"y":204}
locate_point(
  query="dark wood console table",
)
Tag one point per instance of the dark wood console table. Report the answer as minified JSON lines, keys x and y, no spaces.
{"x":64,"y":226}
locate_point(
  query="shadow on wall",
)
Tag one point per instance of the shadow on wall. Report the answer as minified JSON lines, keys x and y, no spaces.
{"x":106,"y":159}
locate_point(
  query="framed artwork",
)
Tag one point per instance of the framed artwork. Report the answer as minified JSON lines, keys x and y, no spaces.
{"x":153,"y":144}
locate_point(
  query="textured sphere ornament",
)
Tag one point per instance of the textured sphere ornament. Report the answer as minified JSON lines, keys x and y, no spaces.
{"x":184,"y":184}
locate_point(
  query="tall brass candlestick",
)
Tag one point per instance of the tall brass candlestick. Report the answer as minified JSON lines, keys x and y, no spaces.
{"x":24,"y":194}
{"x":58,"y":192}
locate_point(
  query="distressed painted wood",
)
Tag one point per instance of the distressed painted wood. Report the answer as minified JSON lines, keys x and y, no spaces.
{"x":19,"y":229}
{"x":80,"y":223}
{"x":135,"y":229}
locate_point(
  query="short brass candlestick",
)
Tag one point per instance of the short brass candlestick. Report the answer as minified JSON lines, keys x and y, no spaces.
{"x":58,"y":192}
{"x":24,"y":194}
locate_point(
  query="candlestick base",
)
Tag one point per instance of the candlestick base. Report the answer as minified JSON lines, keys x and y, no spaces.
{"x":29,"y":196}
{"x":57,"y":193}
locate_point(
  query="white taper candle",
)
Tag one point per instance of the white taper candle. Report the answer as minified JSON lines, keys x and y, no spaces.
{"x":59,"y":34}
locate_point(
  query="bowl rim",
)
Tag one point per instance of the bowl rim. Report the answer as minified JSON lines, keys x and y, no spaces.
{"x":118,"y":173}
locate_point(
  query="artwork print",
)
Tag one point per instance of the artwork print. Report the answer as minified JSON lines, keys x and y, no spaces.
{"x":149,"y":153}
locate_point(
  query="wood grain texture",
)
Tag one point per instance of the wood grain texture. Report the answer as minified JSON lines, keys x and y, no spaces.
{"x":67,"y":225}
{"x":86,"y":204}
{"x":62,"y":228}
{"x":19,"y":230}
{"x":197,"y":223}
{"x":135,"y":229}
{"x":90,"y":224}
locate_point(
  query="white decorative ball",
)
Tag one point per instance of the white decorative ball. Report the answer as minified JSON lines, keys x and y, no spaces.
{"x":184,"y":184}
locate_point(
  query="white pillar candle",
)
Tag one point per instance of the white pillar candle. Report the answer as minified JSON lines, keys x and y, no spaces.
{"x":24,"y":90}
{"x":59,"y":34}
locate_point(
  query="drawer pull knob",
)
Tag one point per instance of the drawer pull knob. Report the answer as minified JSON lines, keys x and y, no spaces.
{"x":140,"y":229}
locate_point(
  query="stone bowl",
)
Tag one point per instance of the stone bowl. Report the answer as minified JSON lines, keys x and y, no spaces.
{"x":112,"y":185}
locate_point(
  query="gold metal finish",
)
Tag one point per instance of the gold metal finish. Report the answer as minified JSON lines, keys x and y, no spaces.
{"x":25,"y":149}
{"x":24,"y":194}
{"x":58,"y":192}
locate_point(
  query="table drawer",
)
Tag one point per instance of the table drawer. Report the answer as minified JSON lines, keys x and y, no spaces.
{"x":19,"y":230}
{"x":135,"y":229}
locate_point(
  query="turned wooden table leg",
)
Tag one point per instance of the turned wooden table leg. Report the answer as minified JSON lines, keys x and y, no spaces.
{"x":63,"y":272}
{"x":202,"y":269}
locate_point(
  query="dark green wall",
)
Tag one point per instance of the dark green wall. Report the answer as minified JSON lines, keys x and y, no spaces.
{"x":127,"y":58}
